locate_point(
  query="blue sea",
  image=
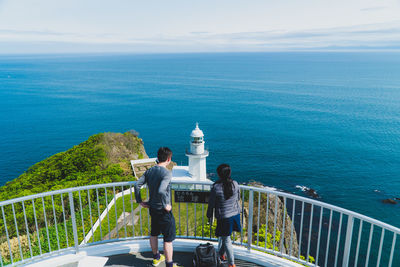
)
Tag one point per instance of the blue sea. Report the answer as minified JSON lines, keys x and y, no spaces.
{"x":327,"y":121}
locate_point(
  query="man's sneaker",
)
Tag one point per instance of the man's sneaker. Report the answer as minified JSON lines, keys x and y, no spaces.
{"x":160,"y":260}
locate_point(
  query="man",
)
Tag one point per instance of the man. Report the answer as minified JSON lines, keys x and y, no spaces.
{"x":158,"y":180}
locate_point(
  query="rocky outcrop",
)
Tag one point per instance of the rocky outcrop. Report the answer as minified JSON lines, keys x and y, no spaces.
{"x":283,"y":221}
{"x":312,"y":193}
{"x":103,"y":158}
{"x":308,"y":191}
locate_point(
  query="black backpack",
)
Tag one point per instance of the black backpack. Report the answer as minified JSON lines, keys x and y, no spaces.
{"x":205,"y":255}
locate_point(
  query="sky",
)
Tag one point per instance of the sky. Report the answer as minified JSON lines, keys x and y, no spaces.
{"x":174,"y":26}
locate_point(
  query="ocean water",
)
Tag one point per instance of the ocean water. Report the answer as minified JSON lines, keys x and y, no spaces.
{"x":327,"y":121}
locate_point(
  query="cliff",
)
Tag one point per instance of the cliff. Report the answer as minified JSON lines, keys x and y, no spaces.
{"x":103,"y":158}
{"x":261,"y":216}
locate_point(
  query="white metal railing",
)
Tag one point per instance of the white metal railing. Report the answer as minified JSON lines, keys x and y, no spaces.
{"x":303,"y":230}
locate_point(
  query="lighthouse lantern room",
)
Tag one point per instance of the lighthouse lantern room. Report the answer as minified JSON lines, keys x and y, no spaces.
{"x":197,"y":155}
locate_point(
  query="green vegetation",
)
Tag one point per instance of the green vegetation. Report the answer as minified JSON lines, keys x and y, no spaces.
{"x":103,"y":158}
{"x":129,"y":229}
{"x":59,"y":233}
{"x":267,"y":241}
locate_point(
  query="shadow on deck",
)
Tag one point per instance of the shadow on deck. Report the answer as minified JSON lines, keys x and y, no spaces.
{"x":144,"y":259}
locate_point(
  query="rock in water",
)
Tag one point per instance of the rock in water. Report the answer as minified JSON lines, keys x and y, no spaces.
{"x":308,"y":191}
{"x":389,"y":201}
{"x":312,"y":193}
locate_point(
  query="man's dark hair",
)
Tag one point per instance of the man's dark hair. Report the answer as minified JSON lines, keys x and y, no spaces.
{"x":163,"y":154}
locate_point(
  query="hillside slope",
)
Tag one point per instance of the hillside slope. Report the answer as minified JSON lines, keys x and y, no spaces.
{"x":103,"y":158}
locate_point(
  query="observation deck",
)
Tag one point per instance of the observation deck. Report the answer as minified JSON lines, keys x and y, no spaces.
{"x":101,"y":224}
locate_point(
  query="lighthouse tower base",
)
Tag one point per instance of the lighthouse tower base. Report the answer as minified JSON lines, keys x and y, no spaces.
{"x":197,"y":166}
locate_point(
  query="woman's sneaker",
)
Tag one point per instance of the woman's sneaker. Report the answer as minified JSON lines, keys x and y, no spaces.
{"x":160,"y":260}
{"x":173,"y":264}
{"x":222,"y":261}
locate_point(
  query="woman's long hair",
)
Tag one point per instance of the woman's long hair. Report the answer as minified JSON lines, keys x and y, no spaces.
{"x":224,"y":173}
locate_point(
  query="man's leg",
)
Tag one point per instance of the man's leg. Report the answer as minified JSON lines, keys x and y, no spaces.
{"x":154,"y":244}
{"x":155,"y":232}
{"x":169,"y":236}
{"x":168,"y":251}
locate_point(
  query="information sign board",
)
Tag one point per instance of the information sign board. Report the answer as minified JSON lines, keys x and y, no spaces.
{"x":192,"y":196}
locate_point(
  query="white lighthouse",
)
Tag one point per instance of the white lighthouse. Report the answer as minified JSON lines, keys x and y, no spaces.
{"x":197,"y":155}
{"x":196,"y":171}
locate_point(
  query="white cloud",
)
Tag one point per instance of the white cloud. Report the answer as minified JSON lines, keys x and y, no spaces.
{"x":137,"y":26}
{"x":374,"y":8}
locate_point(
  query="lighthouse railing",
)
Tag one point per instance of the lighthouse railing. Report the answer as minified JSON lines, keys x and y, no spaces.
{"x":300,"y":229}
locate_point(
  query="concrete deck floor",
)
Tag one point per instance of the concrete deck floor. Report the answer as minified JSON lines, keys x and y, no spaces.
{"x":137,"y":253}
{"x":144,"y":259}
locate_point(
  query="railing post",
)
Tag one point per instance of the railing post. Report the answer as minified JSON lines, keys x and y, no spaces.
{"x":349,"y":233}
{"x":250,"y":221}
{"x":74,"y":229}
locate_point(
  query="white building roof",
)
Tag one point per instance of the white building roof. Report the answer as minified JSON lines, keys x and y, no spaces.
{"x":181,"y":173}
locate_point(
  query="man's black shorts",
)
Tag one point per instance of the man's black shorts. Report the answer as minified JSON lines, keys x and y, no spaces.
{"x":163,"y":222}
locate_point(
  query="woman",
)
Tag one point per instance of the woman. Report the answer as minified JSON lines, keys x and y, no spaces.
{"x":224,"y":200}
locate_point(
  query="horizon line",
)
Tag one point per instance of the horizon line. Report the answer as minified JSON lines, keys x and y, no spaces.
{"x":203,"y":52}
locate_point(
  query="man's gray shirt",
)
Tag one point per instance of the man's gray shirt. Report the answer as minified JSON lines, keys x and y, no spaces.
{"x":158,"y":180}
